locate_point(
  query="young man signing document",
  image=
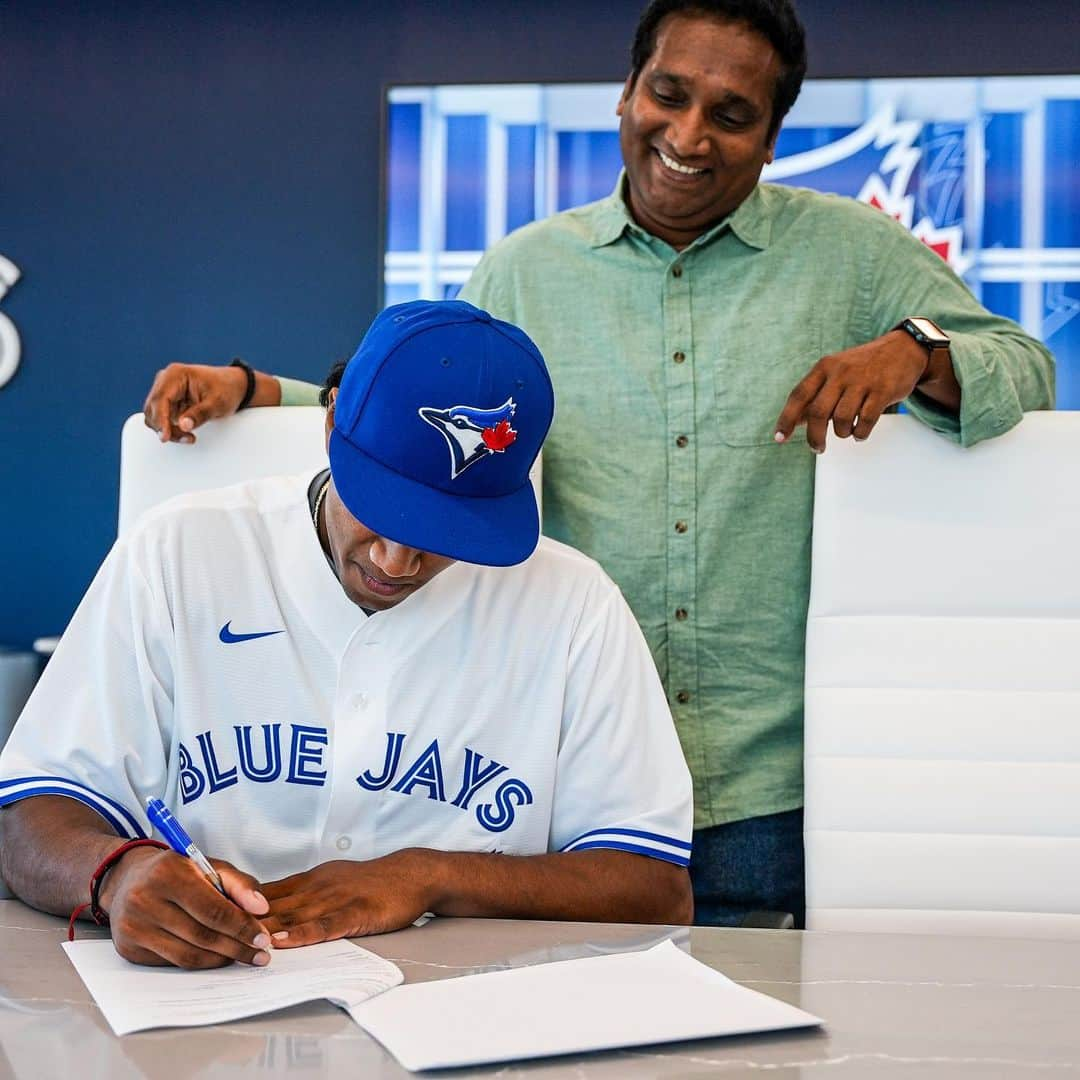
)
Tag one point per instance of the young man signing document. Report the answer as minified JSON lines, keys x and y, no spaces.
{"x":366,"y":694}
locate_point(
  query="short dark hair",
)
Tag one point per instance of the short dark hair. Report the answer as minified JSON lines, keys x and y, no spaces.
{"x":775,"y":20}
{"x":333,"y":378}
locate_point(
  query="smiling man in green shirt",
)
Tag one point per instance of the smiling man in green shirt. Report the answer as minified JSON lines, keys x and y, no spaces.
{"x":691,"y":322}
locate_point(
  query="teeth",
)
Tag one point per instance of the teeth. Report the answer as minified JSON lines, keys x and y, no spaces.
{"x":672,"y":164}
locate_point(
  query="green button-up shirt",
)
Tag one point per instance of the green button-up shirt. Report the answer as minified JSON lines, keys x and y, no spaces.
{"x":670,"y":369}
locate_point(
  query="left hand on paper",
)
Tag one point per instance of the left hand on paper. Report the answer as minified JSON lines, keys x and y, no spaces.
{"x":348,"y":899}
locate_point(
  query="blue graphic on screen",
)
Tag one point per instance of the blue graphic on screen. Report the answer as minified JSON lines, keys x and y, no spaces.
{"x":589,"y":161}
{"x":520,"y":175}
{"x":403,"y":178}
{"x":982,"y":170}
{"x":466,"y":176}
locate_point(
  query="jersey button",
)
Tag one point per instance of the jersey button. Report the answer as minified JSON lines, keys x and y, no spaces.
{"x":359,"y":701}
{"x":343,"y":843}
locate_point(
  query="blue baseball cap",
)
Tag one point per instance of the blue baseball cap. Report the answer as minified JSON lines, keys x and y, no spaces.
{"x":439,"y":417}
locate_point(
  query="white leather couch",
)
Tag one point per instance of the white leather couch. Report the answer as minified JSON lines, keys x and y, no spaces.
{"x":943,"y":683}
{"x":251,"y":444}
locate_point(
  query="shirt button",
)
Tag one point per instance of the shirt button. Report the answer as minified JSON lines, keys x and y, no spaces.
{"x":682,"y":441}
{"x":679,"y":357}
{"x":343,"y":843}
{"x":681,"y":614}
{"x":682,"y":697}
{"x":359,"y":701}
{"x":681,"y":526}
{"x":676,"y":271}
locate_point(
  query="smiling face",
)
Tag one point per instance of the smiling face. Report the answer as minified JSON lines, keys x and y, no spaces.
{"x":695,"y":123}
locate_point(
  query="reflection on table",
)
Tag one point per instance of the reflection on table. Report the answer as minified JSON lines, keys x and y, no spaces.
{"x":894,"y":1005}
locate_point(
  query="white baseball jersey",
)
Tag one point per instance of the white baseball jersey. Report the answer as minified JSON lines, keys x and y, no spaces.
{"x":216,"y":663}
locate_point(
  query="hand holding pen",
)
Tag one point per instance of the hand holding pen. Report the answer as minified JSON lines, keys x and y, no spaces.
{"x":161,"y":913}
{"x":161,"y":817}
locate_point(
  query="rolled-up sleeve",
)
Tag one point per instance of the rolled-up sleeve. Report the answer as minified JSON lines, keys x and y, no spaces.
{"x":1003,"y":372}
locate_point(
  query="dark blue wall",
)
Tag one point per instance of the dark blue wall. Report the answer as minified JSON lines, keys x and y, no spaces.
{"x":195,"y":181}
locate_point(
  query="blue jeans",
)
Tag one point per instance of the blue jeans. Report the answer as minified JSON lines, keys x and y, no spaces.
{"x":750,"y":865}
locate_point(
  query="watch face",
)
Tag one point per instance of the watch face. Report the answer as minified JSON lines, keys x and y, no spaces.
{"x":929,"y":330}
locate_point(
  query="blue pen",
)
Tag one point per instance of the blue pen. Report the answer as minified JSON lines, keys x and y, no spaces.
{"x":161,"y":816}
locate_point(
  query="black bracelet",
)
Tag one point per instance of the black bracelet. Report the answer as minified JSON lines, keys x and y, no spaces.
{"x":249,"y":371}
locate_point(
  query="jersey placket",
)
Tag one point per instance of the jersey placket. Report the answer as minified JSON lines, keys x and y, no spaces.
{"x":359,"y":732}
{"x":681,"y":450}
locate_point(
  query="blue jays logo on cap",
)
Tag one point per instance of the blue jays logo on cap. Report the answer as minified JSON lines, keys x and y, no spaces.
{"x":472,"y":434}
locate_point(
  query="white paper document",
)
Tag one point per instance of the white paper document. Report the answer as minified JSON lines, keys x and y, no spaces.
{"x":572,"y":1006}
{"x":133,"y":997}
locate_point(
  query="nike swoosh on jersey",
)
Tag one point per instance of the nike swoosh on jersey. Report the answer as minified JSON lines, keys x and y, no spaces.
{"x":229,"y":638}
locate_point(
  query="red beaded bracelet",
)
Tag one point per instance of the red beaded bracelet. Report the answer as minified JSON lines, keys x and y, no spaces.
{"x":110,"y":860}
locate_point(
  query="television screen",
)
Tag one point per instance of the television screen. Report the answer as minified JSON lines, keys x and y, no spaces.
{"x":983,"y":170}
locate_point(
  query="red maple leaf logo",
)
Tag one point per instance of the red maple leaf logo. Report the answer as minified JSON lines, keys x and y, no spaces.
{"x":498,"y":438}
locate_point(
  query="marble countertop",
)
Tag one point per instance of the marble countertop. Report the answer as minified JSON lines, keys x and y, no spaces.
{"x":894,"y":1005}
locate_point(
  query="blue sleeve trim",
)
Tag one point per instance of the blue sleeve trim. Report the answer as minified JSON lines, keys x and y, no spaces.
{"x":116,"y":814}
{"x":652,"y":853}
{"x":639,"y":833}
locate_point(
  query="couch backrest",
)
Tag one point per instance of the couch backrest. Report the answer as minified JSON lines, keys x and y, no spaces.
{"x":943,"y":683}
{"x":253,"y":443}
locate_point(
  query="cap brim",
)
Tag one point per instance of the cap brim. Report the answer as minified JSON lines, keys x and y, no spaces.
{"x":498,"y":531}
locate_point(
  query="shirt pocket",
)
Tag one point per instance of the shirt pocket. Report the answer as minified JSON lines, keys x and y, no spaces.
{"x":750,"y":392}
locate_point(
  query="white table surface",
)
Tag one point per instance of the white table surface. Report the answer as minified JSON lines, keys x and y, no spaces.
{"x":896,"y":1006}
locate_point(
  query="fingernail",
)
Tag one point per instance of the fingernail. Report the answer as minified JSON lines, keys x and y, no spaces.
{"x":779,"y":436}
{"x":261,"y":941}
{"x":261,"y":959}
{"x":259,"y":898}
{"x":281,"y":935}
{"x":816,"y":450}
{"x":186,"y":423}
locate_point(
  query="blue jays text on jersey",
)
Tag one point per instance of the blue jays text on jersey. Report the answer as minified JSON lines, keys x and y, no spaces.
{"x":263,"y":754}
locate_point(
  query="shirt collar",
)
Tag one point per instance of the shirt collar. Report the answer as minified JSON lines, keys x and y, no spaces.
{"x":610,"y":217}
{"x":749,"y":220}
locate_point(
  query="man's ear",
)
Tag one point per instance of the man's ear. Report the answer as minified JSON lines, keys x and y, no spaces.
{"x":329,"y":423}
{"x":627,"y":89}
{"x":770,"y":152}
